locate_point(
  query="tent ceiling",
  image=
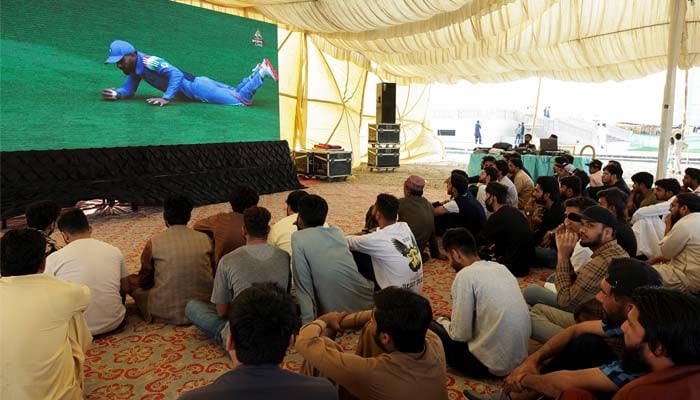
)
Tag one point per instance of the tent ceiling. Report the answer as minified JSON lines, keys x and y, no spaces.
{"x":422,"y":41}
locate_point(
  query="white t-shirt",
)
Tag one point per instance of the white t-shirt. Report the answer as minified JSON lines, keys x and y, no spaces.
{"x":100,"y":266}
{"x":395,"y":256}
{"x":281,"y":233}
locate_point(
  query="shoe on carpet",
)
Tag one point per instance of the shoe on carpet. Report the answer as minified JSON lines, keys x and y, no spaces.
{"x":267,"y":70}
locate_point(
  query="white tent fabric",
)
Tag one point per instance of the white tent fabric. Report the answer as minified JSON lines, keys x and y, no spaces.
{"x":416,"y":42}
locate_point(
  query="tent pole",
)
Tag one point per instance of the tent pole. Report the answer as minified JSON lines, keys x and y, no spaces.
{"x":677,"y":10}
{"x":537,"y":108}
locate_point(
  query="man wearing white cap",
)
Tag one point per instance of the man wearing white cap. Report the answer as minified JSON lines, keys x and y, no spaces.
{"x":175,"y":82}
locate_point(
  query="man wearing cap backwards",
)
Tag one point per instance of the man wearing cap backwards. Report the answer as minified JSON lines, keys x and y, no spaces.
{"x":679,"y":263}
{"x":577,"y":290}
{"x":175,"y":82}
{"x":416,"y":211}
{"x":595,"y":173}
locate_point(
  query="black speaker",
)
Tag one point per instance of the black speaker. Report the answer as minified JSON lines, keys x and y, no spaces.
{"x":503,"y":146}
{"x":386,"y":103}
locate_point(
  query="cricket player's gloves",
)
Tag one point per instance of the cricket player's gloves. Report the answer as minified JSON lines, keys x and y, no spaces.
{"x":110,"y":94}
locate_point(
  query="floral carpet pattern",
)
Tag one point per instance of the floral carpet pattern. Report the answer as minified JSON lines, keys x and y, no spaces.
{"x":159,"y":361}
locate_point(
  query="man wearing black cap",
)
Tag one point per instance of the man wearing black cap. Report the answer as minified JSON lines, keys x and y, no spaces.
{"x":679,"y":263}
{"x":594,"y":347}
{"x":577,"y":290}
{"x":175,"y":82}
{"x":595,"y":173}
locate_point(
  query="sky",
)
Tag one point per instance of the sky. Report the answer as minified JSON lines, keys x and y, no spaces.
{"x":637,"y":101}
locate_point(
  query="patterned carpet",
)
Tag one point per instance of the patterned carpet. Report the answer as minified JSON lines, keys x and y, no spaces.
{"x":158,"y":361}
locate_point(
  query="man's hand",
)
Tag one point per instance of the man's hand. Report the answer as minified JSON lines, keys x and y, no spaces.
{"x":566,"y":241}
{"x":332,"y":321}
{"x":158,"y":101}
{"x":512,"y":381}
{"x":110,"y":94}
{"x":657,"y":259}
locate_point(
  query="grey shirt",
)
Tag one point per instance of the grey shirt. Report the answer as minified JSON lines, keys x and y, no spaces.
{"x":249,"y":264}
{"x":325,"y":274}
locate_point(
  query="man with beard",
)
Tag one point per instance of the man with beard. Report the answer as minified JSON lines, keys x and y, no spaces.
{"x":462,"y":210}
{"x":546,"y":194}
{"x":647,"y":223}
{"x":661,"y":332}
{"x":570,"y":358}
{"x":642,"y":193}
{"x":487,"y":175}
{"x":175,"y":82}
{"x":506,"y":234}
{"x":488,"y":332}
{"x":691,"y":180}
{"x":569,"y":187}
{"x":612,"y":177}
{"x":502,"y":168}
{"x":577,"y":289}
{"x":679,"y":263}
{"x":521,"y":180}
{"x":397,"y":356}
{"x":615,"y":200}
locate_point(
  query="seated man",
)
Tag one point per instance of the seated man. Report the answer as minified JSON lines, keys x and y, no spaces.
{"x":416,"y":211}
{"x":657,"y":333}
{"x":615,"y":200}
{"x":226,"y":229}
{"x":389,"y":256}
{"x":679,"y":263}
{"x":527,"y":145}
{"x":543,"y":222}
{"x":578,"y":289}
{"x":42,"y":325}
{"x":647,"y":223}
{"x":642,"y":192}
{"x":570,"y":187}
{"x":521,"y":180}
{"x":587,"y":344}
{"x":94,"y":263}
{"x":503,"y":179}
{"x":595,"y":173}
{"x":506,"y":234}
{"x":461,"y":211}
{"x":397,"y":357}
{"x":612,"y":177}
{"x":490,"y":327}
{"x":42,"y":215}
{"x":262,"y":325}
{"x":487,"y":175}
{"x":256,"y":261}
{"x":175,"y":267}
{"x":281,"y":232}
{"x":325,"y":275}
{"x":691,"y":180}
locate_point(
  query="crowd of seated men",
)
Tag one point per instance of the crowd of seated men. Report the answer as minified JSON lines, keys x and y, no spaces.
{"x":616,"y":317}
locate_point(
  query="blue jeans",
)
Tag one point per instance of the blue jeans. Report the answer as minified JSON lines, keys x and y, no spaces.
{"x":536,"y":294}
{"x":203,"y":316}
{"x":546,"y":256}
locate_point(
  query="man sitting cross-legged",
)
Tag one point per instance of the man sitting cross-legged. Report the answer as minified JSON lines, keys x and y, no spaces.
{"x":647,"y":222}
{"x":506,"y":235}
{"x":325,"y":274}
{"x":263,"y":324}
{"x":94,"y":263}
{"x":397,"y":357}
{"x":281,"y":232}
{"x":42,"y":216}
{"x":43,"y":333}
{"x":576,"y":290}
{"x":679,"y":263}
{"x":662,"y":331}
{"x":461,"y":210}
{"x":490,"y":327}
{"x":175,"y":267}
{"x":224,"y":229}
{"x":586,"y":345}
{"x":390,"y":255}
{"x":256,"y":261}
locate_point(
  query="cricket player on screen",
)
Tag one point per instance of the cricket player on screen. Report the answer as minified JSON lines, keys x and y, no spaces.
{"x":175,"y":82}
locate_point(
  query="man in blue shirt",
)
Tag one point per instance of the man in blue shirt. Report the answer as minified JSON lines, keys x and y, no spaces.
{"x":176,"y":82}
